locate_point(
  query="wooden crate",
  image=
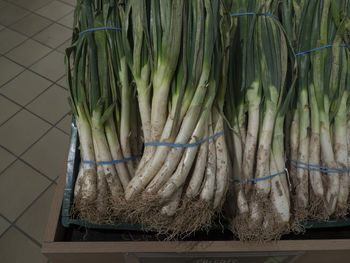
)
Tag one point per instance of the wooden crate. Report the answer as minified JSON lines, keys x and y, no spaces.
{"x":58,"y":250}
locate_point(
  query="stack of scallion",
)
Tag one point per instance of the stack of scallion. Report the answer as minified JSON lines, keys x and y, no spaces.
{"x":318,"y":123}
{"x":178,"y":103}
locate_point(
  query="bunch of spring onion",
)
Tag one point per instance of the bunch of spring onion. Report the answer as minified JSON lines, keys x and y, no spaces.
{"x":257,"y":103}
{"x":318,"y":130}
{"x":172,"y":49}
{"x":101,"y":100}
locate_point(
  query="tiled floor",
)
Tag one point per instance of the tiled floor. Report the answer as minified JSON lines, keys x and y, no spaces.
{"x":34,"y":120}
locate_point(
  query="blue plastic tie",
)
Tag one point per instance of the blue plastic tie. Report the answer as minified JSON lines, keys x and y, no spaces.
{"x":260,"y":179}
{"x":252,"y":13}
{"x":99,"y":28}
{"x":320,"y":48}
{"x":176,"y":145}
{"x":317,"y":168}
{"x":112,"y":162}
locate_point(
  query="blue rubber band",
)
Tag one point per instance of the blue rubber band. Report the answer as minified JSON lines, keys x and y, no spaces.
{"x":112,"y":162}
{"x":317,"y":168}
{"x":320,"y":48}
{"x":99,"y":28}
{"x":177,"y":145}
{"x":252,"y":13}
{"x":260,"y":179}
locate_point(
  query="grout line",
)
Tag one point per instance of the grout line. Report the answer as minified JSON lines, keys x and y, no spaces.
{"x":25,"y":162}
{"x":35,"y":40}
{"x":32,"y":71}
{"x":15,"y":4}
{"x":34,"y":11}
{"x":28,"y":67}
{"x":40,"y":31}
{"x":72,"y":5}
{"x":24,"y":107}
{"x":70,"y":27}
{"x":67,"y":133}
{"x":13,"y":224}
{"x":35,"y":169}
{"x":7,"y":229}
{"x":15,"y":76}
{"x":27,"y":235}
{"x":26,"y":150}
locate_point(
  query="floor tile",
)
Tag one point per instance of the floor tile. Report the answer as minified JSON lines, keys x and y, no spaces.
{"x":55,"y":10}
{"x":15,"y":247}
{"x":67,"y":20}
{"x":32,"y":4}
{"x":31,"y":24}
{"x":52,"y":105}
{"x":7,"y":109}
{"x":21,"y":131}
{"x":62,"y":48}
{"x":49,"y":154}
{"x":62,"y":82}
{"x":9,"y":39}
{"x":65,"y":124}
{"x":21,"y":55}
{"x":69,"y":2}
{"x":20,"y":184}
{"x":25,"y":87}
{"x":8,"y":70}
{"x":6,"y":158}
{"x":51,"y":66}
{"x":3,"y":225}
{"x":34,"y":220}
{"x":54,"y":35}
{"x":10,"y":13}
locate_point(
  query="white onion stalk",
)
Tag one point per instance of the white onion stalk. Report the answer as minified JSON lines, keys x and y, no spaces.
{"x":254,"y":99}
{"x":171,"y":207}
{"x":328,"y":159}
{"x":341,"y":151}
{"x":199,"y":169}
{"x":238,"y":142}
{"x":87,"y":177}
{"x":114,"y":184}
{"x":279,"y":186}
{"x":143,"y":91}
{"x":102,"y":186}
{"x":125,"y":129}
{"x":102,"y":191}
{"x":222,"y":165}
{"x":303,"y":153}
{"x":279,"y":194}
{"x":77,"y":187}
{"x":294,"y":145}
{"x":264,"y":148}
{"x":116,"y":152}
{"x":314,"y":148}
{"x":208,"y":190}
{"x":263,"y":157}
